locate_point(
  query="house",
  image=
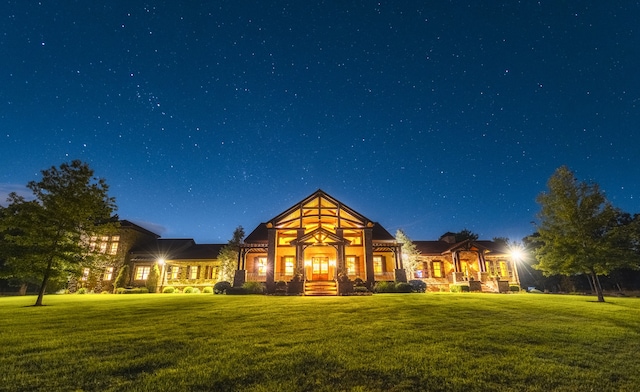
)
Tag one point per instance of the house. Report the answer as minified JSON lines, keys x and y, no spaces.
{"x":319,"y":242}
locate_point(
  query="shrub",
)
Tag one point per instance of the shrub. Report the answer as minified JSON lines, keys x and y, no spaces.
{"x":357,"y":282}
{"x":418,"y":286}
{"x":403,"y":287}
{"x":384,"y":287}
{"x":196,"y":290}
{"x":81,"y":290}
{"x":104,"y":292}
{"x":188,"y":290}
{"x":236,"y":291}
{"x":459,"y":288}
{"x":514,"y":288}
{"x":221,"y":287}
{"x":207,"y":290}
{"x":123,"y":277}
{"x":120,"y":290}
{"x":169,"y":290}
{"x":137,"y":290}
{"x":360,"y":289}
{"x":152,"y":279}
{"x":253,"y":287}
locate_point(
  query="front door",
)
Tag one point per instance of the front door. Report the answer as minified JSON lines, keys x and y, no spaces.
{"x":320,"y":268}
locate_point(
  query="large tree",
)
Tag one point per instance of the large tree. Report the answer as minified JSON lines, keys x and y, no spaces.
{"x":580,"y":232}
{"x":48,"y":238}
{"x":410,"y":254}
{"x":228,"y":256}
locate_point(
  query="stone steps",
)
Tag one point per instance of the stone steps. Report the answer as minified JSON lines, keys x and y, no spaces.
{"x":320,"y":288}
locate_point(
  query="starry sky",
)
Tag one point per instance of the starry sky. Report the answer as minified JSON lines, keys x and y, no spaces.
{"x":426,"y":116}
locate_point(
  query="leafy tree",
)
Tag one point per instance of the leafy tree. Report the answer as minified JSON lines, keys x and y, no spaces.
{"x":48,"y":237}
{"x":410,"y":254}
{"x":466,"y":234}
{"x":228,"y":256}
{"x":123,"y":277}
{"x":580,"y":232}
{"x":152,"y":279}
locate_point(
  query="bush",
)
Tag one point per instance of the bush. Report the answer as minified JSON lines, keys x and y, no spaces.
{"x":120,"y":290}
{"x":221,"y":287}
{"x":196,"y":290}
{"x":360,"y":289}
{"x":137,"y":290}
{"x":514,"y":288}
{"x":207,"y":290}
{"x":236,"y":291}
{"x":459,"y":288}
{"x":169,"y":290}
{"x":418,"y":286}
{"x":188,"y":290}
{"x":385,"y":287}
{"x":403,"y":287}
{"x":81,"y":290}
{"x":281,"y":286}
{"x":358,"y":282}
{"x":253,"y":287}
{"x":104,"y":292}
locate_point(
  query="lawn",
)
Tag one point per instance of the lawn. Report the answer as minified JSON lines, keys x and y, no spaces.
{"x":385,"y":342}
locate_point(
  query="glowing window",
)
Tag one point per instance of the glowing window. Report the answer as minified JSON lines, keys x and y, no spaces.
{"x":377,"y":264}
{"x":105,"y":238}
{"x":262,"y":265}
{"x":85,"y":274}
{"x":108,"y":274}
{"x":351,"y":265}
{"x":115,"y":238}
{"x":103,"y":247}
{"x":175,"y":272}
{"x":288,"y":265}
{"x":114,"y":248}
{"x":193,"y":273}
{"x":437,"y":269}
{"x":142,"y":273}
{"x":503,"y":271}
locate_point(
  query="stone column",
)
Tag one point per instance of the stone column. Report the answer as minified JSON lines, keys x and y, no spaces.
{"x":271,"y":258}
{"x":368,"y":257}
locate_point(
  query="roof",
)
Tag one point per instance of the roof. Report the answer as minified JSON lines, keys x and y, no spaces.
{"x":442,"y":247}
{"x":175,"y":249}
{"x":258,"y":235}
{"x":125,"y":224}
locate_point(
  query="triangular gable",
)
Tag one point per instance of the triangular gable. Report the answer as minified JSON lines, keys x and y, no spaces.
{"x":319,"y":205}
{"x":320,"y":236}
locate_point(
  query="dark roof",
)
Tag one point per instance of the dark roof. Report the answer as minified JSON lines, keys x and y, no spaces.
{"x":379,"y":233}
{"x":125,"y":224}
{"x":175,"y":249}
{"x":258,"y":235}
{"x":441,"y":247}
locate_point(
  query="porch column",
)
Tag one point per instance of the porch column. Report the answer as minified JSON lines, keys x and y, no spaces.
{"x":400,"y":272}
{"x":368,"y":255}
{"x":271,"y":257}
{"x":300,"y":253}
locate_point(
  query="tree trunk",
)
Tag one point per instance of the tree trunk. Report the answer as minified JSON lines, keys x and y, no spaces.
{"x":597,"y":286}
{"x":43,"y":286}
{"x":23,"y":289}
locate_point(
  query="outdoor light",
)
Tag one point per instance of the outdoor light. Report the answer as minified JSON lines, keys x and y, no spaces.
{"x":161,"y":261}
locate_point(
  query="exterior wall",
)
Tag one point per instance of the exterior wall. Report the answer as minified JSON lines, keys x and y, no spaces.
{"x":190,"y":273}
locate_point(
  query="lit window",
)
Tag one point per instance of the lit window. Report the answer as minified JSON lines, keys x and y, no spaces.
{"x":503,"y":271}
{"x":193,"y":273}
{"x":105,"y":238}
{"x":115,"y":238}
{"x":103,"y":247}
{"x":85,"y":274}
{"x":437,"y":269}
{"x":262,"y":265}
{"x":351,"y":265}
{"x":142,"y":273}
{"x":175,"y":272}
{"x":114,"y":248}
{"x":108,"y":274}
{"x":288,"y":265}
{"x":92,"y":246}
{"x":377,"y":264}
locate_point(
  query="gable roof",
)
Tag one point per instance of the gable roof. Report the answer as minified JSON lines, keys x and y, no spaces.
{"x":442,"y":247}
{"x":174,"y":249}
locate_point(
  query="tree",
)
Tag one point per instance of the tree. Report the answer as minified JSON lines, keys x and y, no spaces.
{"x":580,"y":232}
{"x":466,"y":234}
{"x":122,"y":280}
{"x":228,"y":256}
{"x":49,"y":237}
{"x":152,"y":279}
{"x":410,"y":254}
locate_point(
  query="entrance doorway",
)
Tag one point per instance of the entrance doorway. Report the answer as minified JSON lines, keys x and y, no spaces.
{"x":320,"y":268}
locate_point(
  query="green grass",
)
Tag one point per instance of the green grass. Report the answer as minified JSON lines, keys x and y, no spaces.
{"x":385,"y":342}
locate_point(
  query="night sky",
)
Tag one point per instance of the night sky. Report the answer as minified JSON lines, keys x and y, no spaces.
{"x":426,"y":116}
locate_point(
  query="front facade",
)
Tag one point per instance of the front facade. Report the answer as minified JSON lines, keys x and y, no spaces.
{"x":319,"y":239}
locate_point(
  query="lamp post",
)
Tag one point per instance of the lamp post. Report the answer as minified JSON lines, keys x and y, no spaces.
{"x":161,"y":263}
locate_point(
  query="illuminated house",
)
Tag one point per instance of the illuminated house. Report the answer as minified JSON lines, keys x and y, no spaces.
{"x":319,"y":239}
{"x":480,"y":265}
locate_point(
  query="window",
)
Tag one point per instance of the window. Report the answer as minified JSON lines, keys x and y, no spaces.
{"x":115,"y":238}
{"x":103,"y":247}
{"x":503,"y":271}
{"x":262,"y":265}
{"x":351,"y":265}
{"x":437,"y":269}
{"x":377,"y":264}
{"x":193,"y":272}
{"x":108,"y":274}
{"x":175,"y":272}
{"x":114,"y":248}
{"x":105,"y":239}
{"x":288,"y":265}
{"x":85,"y":274}
{"x":142,"y":273}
